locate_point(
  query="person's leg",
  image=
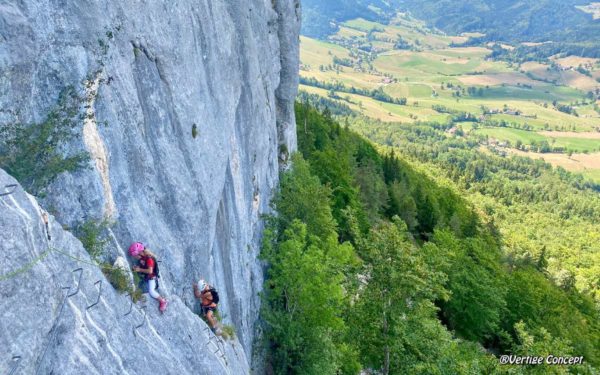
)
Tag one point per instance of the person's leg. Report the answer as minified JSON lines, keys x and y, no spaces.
{"x":211,"y":319}
{"x":162,"y":303}
{"x":214,"y":323}
{"x":152,"y":289}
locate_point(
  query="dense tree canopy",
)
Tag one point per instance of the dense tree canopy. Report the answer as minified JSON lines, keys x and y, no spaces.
{"x":373,"y":264}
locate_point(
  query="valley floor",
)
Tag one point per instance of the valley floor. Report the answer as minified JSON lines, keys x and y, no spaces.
{"x":550,"y":106}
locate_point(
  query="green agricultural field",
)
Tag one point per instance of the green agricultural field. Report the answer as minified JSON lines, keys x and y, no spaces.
{"x":429,"y":72}
{"x":593,"y":175}
{"x":420,"y":72}
{"x":412,"y":90}
{"x":347,"y":32}
{"x":363,"y":25}
{"x":316,"y":52}
{"x":464,"y":52}
{"x":518,"y":93}
{"x":366,"y":105}
{"x":512,"y":135}
{"x":577,"y":144}
{"x":422,"y":64}
{"x":527,"y":137}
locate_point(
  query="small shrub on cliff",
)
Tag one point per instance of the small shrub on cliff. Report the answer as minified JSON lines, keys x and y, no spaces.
{"x":137,"y":294}
{"x":228,"y":332}
{"x":119,"y":279}
{"x":32,"y":154}
{"x":91,"y":235}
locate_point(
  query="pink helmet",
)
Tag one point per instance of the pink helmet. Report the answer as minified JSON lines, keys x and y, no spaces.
{"x":136,"y":248}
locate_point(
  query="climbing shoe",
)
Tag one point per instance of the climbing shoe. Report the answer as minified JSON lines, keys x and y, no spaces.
{"x":162,"y":305}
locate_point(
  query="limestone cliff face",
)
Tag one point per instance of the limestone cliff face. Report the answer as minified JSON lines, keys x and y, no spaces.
{"x":149,"y":71}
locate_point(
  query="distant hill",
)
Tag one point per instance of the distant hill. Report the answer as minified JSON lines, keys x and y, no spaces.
{"x":319,"y":16}
{"x":510,"y":20}
{"x":568,"y":22}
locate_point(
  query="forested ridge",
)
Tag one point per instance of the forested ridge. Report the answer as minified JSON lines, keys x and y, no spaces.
{"x":564,"y":23}
{"x":374,"y":264}
{"x":318,"y":15}
{"x":510,"y":20}
{"x":545,"y":214}
{"x":505,"y":20}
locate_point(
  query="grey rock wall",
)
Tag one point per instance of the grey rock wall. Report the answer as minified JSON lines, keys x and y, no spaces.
{"x":149,"y":71}
{"x":51,"y":324}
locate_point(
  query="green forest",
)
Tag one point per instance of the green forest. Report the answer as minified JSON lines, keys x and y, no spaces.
{"x":408,"y":258}
{"x":545,"y":215}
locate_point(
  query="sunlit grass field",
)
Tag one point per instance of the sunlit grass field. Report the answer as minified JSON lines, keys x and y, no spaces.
{"x":434,"y":72}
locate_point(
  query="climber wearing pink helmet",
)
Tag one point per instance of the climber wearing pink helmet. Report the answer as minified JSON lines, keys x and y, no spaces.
{"x":136,"y":249}
{"x":148,"y":267}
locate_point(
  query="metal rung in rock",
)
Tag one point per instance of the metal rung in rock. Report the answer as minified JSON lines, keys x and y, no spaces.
{"x":130,"y":304}
{"x":16,"y":360}
{"x":143,"y":309}
{"x":11,"y":189}
{"x":99,"y":282}
{"x":80,"y":270}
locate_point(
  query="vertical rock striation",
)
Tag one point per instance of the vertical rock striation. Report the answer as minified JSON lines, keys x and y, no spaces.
{"x":148,"y":72}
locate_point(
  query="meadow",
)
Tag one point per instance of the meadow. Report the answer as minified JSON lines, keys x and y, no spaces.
{"x":441,"y":79}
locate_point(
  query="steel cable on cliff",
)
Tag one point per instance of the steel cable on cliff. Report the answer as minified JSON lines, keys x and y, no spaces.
{"x":27,"y":267}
